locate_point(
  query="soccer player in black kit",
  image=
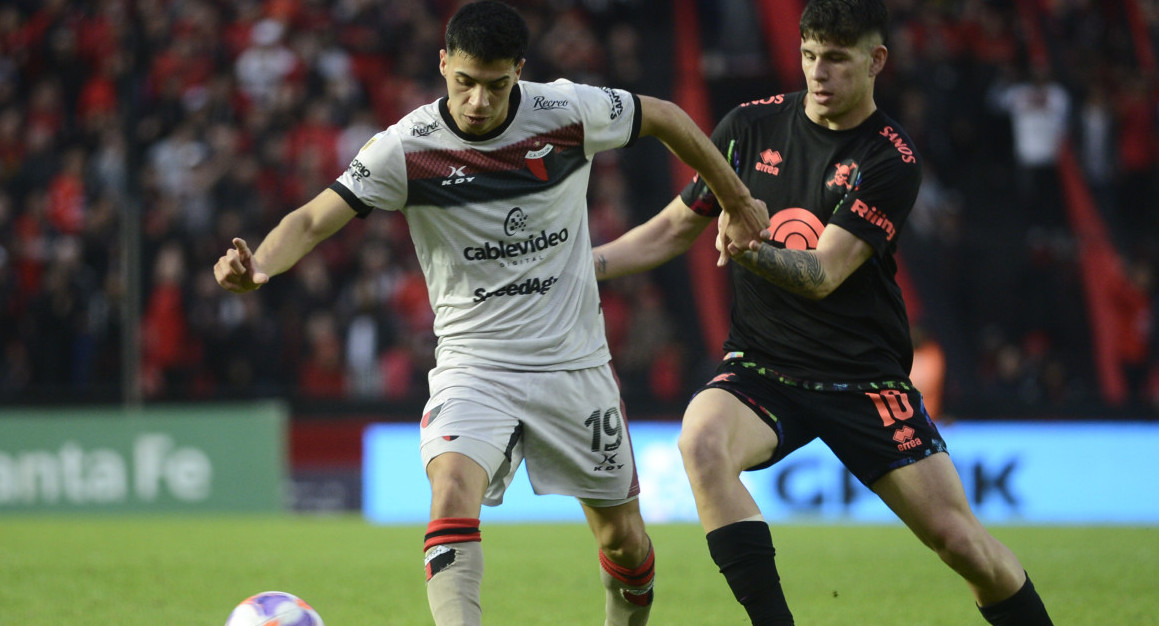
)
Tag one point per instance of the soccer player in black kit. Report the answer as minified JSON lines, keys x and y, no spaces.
{"x":819,"y":344}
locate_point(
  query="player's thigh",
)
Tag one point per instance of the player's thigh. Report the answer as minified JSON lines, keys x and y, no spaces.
{"x":458,"y":483}
{"x":929,"y":498}
{"x":718,"y":426}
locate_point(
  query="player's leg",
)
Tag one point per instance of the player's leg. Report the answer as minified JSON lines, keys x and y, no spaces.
{"x":626,"y":560}
{"x":470,"y":449}
{"x":721,"y":437}
{"x":453,"y":552}
{"x":576,"y":442}
{"x":928,"y":496}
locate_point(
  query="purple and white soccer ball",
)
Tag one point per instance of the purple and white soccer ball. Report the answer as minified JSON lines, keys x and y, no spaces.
{"x":274,"y":608}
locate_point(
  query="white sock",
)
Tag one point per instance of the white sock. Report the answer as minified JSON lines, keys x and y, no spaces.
{"x":454,"y":564}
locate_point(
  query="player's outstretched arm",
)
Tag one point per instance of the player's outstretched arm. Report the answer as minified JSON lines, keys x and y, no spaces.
{"x":809,"y":273}
{"x":667,"y":234}
{"x":672,"y":126}
{"x":239,"y":270}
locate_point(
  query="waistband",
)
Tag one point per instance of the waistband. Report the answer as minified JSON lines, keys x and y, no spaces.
{"x":815,"y":385}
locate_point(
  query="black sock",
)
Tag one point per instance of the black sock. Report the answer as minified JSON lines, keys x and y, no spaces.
{"x":744,"y":553}
{"x":1024,"y":608}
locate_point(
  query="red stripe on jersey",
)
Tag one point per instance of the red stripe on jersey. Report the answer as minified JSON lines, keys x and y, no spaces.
{"x":446,"y":163}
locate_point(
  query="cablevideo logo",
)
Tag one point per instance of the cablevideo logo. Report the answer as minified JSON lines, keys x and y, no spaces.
{"x":521,"y":248}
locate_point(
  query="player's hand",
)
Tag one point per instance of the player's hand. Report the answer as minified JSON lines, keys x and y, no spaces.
{"x":236,"y":270}
{"x":740,"y":230}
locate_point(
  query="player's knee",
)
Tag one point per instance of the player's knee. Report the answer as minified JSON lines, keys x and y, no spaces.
{"x":456,"y":488}
{"x":626,"y":544}
{"x":704,"y":450}
{"x":963,"y":549}
{"x":619,"y":532}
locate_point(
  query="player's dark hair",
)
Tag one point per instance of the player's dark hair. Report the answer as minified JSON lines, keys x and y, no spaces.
{"x":844,"y":22}
{"x":488,"y":31}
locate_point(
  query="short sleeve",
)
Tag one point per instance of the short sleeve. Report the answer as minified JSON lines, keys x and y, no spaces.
{"x":376,"y":177}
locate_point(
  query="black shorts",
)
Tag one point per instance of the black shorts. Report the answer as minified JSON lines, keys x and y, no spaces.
{"x":873,"y":428}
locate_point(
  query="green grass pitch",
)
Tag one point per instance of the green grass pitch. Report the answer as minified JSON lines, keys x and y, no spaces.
{"x":143,"y":571}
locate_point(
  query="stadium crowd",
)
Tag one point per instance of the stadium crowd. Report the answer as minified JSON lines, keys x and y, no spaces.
{"x":178,"y":123}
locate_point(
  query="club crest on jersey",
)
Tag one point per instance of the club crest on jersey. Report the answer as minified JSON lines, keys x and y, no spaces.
{"x":535,"y":162}
{"x":843,"y":175}
{"x":458,"y":176}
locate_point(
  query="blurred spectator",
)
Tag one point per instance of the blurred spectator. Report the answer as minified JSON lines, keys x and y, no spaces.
{"x":167,"y":347}
{"x":1138,"y":142}
{"x":322,"y":374}
{"x":1096,"y":151}
{"x":1039,"y":111}
{"x":264,"y":67}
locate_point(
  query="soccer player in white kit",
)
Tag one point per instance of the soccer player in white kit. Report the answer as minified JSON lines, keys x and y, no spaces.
{"x":493,"y":180}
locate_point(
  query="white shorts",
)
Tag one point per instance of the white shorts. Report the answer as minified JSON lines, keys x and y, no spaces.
{"x":569,"y":426}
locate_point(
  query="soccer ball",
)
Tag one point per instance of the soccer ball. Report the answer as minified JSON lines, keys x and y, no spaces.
{"x":274,"y":608}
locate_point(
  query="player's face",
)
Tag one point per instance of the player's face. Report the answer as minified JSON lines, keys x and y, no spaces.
{"x":478,"y":91}
{"x":840,"y":80}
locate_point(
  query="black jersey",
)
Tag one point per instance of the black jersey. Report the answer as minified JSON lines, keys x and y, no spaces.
{"x":864,"y":179}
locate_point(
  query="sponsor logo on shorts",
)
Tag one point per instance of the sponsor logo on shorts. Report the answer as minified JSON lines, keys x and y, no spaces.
{"x":609,"y":464}
{"x":905,"y":439}
{"x":529,"y":287}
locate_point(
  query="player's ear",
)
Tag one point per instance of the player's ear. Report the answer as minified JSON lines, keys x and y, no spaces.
{"x":519,"y":68}
{"x":443,"y":62}
{"x":877,"y":57}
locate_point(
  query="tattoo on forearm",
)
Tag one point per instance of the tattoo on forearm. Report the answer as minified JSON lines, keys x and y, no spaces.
{"x":601,"y":265}
{"x":796,"y":270}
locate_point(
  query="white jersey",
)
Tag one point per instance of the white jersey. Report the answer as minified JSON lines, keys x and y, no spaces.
{"x":500,"y":221}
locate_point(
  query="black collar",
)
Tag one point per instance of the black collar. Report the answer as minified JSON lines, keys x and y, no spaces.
{"x":512,"y":109}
